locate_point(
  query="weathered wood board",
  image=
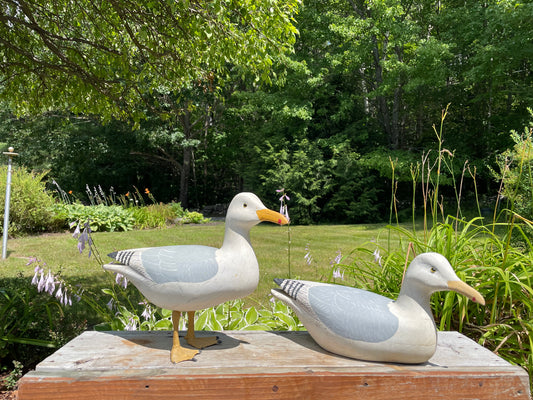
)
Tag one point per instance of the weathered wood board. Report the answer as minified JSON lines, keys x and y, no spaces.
{"x":264,"y":365}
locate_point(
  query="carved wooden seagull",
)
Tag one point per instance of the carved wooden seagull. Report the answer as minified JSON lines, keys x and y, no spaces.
{"x":364,"y":325}
{"x":193,"y":277}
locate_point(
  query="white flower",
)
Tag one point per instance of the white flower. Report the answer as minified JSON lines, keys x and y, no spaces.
{"x":132,"y":325}
{"x":147,"y":312}
{"x":377,"y":257}
{"x":337,"y":274}
{"x":59,"y":293}
{"x":42,"y":281}
{"x":76,"y":232}
{"x":308,"y":258}
{"x":35,"y":280}
{"x":285,"y":212}
{"x":50,"y":284}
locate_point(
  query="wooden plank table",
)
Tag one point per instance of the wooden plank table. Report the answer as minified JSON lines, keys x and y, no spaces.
{"x":264,"y":365}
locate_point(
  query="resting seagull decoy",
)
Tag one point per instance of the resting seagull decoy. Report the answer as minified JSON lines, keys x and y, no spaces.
{"x":191,"y":277}
{"x":360,"y":324}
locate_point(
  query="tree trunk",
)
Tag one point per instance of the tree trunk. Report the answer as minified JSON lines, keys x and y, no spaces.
{"x":383,"y":112}
{"x":185,"y":119}
{"x":184,"y":178}
{"x":394,"y":136}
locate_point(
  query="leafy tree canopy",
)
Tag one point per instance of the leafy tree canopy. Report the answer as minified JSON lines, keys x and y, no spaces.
{"x":120,"y":58}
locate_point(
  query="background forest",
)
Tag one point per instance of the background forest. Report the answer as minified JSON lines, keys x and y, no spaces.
{"x":361,"y":93}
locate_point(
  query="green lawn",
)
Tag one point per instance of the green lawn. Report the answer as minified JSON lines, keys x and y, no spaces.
{"x":270,"y":242}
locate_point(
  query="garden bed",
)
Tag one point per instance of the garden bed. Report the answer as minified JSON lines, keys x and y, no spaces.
{"x":5,"y":393}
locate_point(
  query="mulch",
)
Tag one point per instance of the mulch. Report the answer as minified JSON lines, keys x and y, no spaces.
{"x":8,"y":395}
{"x":4,"y":393}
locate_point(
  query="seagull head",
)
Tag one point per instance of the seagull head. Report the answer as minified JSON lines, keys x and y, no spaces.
{"x":247,"y":210}
{"x":431,"y":272}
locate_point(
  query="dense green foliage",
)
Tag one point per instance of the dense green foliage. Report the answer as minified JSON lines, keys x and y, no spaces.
{"x":367,"y":82}
{"x":118,"y":59}
{"x":101,"y":217}
{"x":364,"y":86}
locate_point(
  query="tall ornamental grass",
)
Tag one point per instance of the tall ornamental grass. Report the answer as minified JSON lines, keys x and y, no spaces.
{"x":493,"y":254}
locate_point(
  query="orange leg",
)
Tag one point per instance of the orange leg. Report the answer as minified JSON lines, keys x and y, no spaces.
{"x":198,"y":342}
{"x":179,"y":353}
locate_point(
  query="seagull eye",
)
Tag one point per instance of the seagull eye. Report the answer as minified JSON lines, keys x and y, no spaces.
{"x":245,"y":205}
{"x":433,"y":270}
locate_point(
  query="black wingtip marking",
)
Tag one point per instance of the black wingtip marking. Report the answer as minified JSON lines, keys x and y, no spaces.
{"x":290,"y":287}
{"x":123,"y":256}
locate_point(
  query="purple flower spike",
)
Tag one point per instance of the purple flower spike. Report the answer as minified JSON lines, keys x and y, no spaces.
{"x":31,"y":260}
{"x":121,"y":280}
{"x":337,"y":259}
{"x":131,"y":326}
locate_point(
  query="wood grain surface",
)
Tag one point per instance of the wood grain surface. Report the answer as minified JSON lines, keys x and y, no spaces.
{"x":264,"y":365}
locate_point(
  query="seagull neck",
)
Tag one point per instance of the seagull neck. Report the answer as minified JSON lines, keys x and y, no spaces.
{"x":233,"y":236}
{"x":408,"y":295}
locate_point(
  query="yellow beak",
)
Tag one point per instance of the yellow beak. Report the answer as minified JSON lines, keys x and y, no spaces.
{"x":268,"y":215}
{"x":468,"y":291}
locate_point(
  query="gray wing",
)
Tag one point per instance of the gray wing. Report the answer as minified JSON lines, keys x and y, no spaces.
{"x":353,"y":313}
{"x":171,"y":263}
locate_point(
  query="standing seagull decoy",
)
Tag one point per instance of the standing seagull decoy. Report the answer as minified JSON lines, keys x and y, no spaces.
{"x":191,"y":277}
{"x":364,"y":325}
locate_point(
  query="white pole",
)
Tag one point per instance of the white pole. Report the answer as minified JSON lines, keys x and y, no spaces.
{"x":10,"y":153}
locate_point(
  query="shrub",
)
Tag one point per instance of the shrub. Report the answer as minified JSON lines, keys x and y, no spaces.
{"x":516,"y":166}
{"x":177,"y":209}
{"x":193,"y":217}
{"x":153,"y":216}
{"x":30,"y":205}
{"x":102,"y":218}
